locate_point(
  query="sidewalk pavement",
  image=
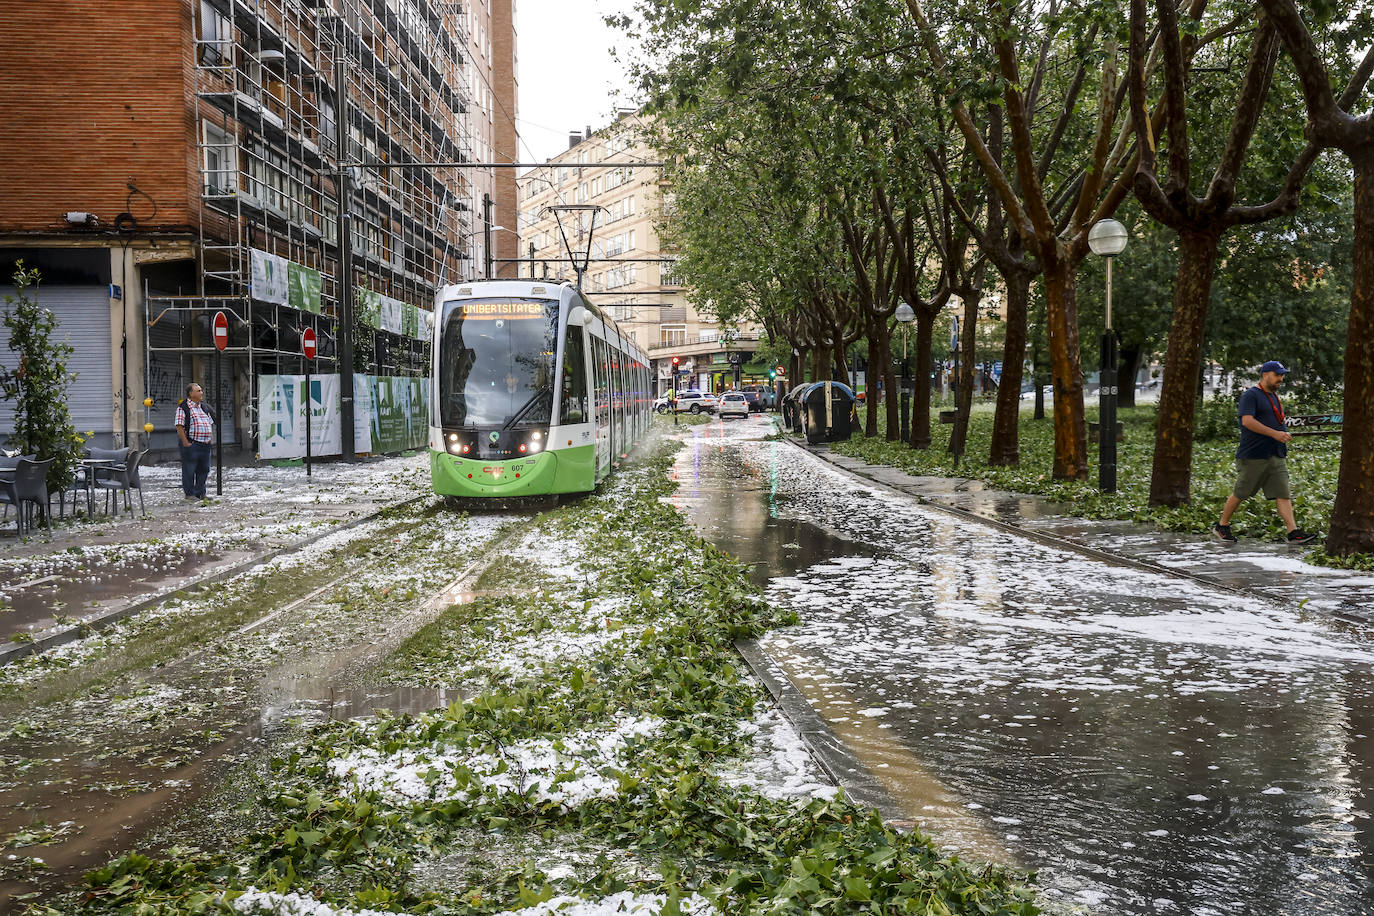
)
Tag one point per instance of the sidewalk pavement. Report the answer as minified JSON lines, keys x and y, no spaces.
{"x":1274,"y":571}
{"x":97,"y":570}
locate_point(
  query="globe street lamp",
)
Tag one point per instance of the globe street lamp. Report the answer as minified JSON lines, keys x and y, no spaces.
{"x":905,"y":314}
{"x":1108,"y":239}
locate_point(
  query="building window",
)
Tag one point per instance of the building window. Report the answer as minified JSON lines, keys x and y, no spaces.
{"x":672,"y":335}
{"x":668,"y":274}
{"x":214,"y":36}
{"x":221,"y":178}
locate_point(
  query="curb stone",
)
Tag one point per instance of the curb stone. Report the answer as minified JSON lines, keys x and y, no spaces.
{"x":835,"y":760}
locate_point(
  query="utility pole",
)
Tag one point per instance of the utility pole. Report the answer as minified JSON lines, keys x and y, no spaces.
{"x":343,"y":283}
{"x":486,"y":233}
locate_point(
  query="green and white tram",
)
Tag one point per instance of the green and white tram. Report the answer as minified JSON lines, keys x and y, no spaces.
{"x":534,"y":391}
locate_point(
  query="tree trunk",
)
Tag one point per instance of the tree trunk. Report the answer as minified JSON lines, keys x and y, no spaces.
{"x":1006,"y":441}
{"x":1352,"y":515}
{"x":968,"y":336}
{"x":841,"y":361}
{"x":1038,"y":374}
{"x":1128,"y":367}
{"x":871,"y":385}
{"x":920,"y":412}
{"x":1070,"y":426}
{"x":820,"y":357}
{"x":1173,"y":464}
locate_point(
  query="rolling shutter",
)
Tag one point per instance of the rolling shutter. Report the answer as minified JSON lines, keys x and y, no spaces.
{"x":83,"y":321}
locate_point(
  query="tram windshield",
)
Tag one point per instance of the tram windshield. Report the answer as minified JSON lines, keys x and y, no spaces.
{"x":496,"y":362}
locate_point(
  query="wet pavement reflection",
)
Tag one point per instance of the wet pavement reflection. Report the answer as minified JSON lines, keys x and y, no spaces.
{"x":75,"y":588}
{"x":1146,"y":744}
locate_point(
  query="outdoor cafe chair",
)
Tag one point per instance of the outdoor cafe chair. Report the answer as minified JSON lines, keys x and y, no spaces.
{"x":121,"y":478}
{"x":28,"y":487}
{"x":89,"y":470}
{"x":8,"y":462}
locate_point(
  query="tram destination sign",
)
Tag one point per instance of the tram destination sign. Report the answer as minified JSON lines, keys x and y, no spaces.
{"x":479,"y":311}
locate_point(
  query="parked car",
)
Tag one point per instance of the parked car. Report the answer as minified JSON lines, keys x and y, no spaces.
{"x":661,"y":405}
{"x":733,"y":404}
{"x":696,"y":402}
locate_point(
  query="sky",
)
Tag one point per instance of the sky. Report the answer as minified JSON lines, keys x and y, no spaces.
{"x":567,"y":77}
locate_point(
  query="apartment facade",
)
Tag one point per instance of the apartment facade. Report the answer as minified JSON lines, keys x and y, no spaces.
{"x":250,"y":157}
{"x":581,"y":200}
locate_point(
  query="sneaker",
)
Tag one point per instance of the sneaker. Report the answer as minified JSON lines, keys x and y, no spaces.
{"x":1298,"y":536}
{"x":1223,"y":533}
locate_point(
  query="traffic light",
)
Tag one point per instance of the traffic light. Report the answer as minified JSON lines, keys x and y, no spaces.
{"x":772,"y":374}
{"x":674,"y":362}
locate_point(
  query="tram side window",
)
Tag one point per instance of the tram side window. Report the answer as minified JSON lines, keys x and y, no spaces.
{"x":618,"y":383}
{"x":574,"y":397}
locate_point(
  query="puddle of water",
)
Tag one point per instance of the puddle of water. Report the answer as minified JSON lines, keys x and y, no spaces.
{"x":73,"y":589}
{"x":311,"y":700}
{"x":740,"y":510}
{"x":1145,"y":744}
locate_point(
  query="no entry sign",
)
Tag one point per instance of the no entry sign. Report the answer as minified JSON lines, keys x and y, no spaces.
{"x":221,"y":327}
{"x":308,"y":343}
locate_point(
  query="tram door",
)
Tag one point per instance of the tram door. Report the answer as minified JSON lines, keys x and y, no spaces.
{"x":601,"y":375}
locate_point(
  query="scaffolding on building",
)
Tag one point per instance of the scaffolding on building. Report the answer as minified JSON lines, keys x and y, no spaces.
{"x":286,"y":95}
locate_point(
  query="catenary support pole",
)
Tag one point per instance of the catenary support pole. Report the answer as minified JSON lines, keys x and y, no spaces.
{"x":219,"y":430}
{"x":343,"y":283}
{"x":1106,"y":427}
{"x":309,"y":403}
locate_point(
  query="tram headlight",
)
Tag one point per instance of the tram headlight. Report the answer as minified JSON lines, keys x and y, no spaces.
{"x":536,"y":435}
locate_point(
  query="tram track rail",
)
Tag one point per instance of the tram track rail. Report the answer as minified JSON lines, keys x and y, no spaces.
{"x":63,"y":635}
{"x":111,"y":821}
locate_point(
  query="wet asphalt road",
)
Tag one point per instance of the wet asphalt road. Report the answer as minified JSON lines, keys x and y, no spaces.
{"x":1147,"y":745}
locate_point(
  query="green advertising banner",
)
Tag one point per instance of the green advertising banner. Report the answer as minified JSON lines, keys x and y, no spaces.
{"x":303,"y":287}
{"x":391,"y":414}
{"x":392,"y":315}
{"x":369,"y":308}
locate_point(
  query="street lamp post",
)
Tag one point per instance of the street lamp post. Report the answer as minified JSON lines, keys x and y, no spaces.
{"x":905,"y":314}
{"x":1108,"y":239}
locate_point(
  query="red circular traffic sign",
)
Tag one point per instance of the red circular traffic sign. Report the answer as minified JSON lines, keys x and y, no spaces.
{"x":221,"y":326}
{"x":308,"y":343}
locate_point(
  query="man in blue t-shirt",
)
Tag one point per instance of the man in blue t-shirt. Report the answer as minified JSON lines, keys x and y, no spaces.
{"x":1260,"y":458}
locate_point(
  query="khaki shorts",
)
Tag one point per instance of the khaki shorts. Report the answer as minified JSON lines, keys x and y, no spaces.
{"x":1269,"y":474}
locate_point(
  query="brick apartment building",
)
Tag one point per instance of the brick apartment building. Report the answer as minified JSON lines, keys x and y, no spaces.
{"x":628,"y":272}
{"x":168,"y":159}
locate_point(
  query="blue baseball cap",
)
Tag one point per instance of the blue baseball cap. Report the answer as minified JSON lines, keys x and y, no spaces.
{"x":1274,"y":366}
